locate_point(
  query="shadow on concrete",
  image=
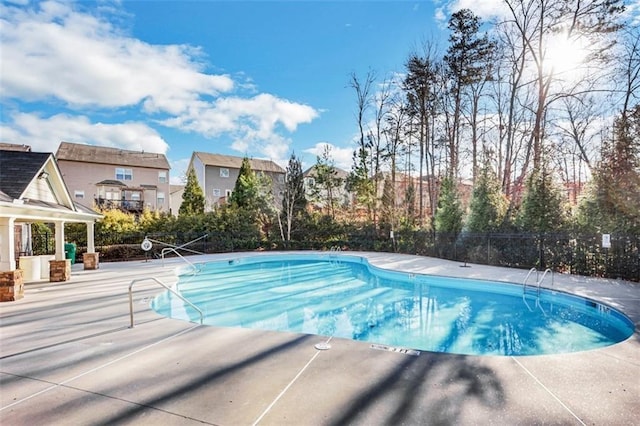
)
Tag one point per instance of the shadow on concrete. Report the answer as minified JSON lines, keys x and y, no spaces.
{"x":436,"y":391}
{"x":205,"y":379}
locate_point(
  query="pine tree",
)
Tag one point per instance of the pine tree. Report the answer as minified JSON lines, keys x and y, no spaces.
{"x":449,"y":213}
{"x":542,"y":208}
{"x":388,"y":204}
{"x":246,"y":189}
{"x":612,"y":203}
{"x":192,"y":197}
{"x":468,"y":63}
{"x":326,"y":181}
{"x":488,"y":204}
{"x":294,"y":201}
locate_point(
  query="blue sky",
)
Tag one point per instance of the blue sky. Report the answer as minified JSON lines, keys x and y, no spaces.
{"x":246,"y":77}
{"x":254,"y":78}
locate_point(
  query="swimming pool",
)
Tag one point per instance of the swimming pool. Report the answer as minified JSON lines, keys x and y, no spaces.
{"x":344,"y":296}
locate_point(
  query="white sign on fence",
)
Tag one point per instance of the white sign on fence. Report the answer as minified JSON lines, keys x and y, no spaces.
{"x":606,"y":240}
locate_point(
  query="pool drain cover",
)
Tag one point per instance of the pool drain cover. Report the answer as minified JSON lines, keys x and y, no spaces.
{"x":405,"y":351}
{"x":323,"y":346}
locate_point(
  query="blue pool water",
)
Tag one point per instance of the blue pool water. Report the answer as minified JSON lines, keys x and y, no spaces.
{"x":343,"y":296}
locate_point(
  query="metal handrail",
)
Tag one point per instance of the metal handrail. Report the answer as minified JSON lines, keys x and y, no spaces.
{"x":165,"y":286}
{"x":524,"y":283}
{"x":168,"y":249}
{"x":542,"y":279}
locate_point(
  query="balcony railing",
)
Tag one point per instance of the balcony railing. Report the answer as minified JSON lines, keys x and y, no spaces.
{"x":126,"y":205}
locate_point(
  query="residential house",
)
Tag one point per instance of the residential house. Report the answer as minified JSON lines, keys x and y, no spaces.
{"x":115,"y":178}
{"x":175,"y":198}
{"x":319,"y":197}
{"x":32,"y":190}
{"x":217,"y":175}
{"x":430,"y":186}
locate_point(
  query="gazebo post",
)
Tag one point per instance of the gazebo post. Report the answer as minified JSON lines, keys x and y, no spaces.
{"x":60,"y":268}
{"x":59,"y":236}
{"x":7,"y":244}
{"x":11,"y":279}
{"x":90,"y":258}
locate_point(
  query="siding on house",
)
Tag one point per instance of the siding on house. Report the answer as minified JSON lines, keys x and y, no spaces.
{"x":217,"y":175}
{"x":112,"y":177}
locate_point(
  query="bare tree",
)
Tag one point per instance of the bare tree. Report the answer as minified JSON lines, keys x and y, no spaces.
{"x":630,"y":68}
{"x":419,"y":85}
{"x":544,"y":22}
{"x":360,"y":178}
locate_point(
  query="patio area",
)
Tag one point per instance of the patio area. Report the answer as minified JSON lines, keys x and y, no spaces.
{"x":68,"y":356}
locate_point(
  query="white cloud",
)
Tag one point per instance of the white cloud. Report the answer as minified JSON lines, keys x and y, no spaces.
{"x":53,"y":53}
{"x":342,"y":157}
{"x":261,"y":114}
{"x":44,"y":134}
{"x":56,"y":52}
{"x":632,"y":11}
{"x":178,"y":173}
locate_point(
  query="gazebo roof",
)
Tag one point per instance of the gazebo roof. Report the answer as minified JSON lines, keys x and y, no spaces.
{"x":32,"y":189}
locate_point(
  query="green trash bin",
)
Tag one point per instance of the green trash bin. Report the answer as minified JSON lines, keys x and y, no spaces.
{"x":70,"y":252}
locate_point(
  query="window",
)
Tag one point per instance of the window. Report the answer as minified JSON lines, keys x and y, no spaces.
{"x":124,"y":174}
{"x":216,"y":192}
{"x":162,"y":177}
{"x":224,"y":173}
{"x":78,"y":194}
{"x":135,"y":196}
{"x":160,"y":198}
{"x":311,"y":181}
{"x":280,"y":178}
{"x":227,"y":192}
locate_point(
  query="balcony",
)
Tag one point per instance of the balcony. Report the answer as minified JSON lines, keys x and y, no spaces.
{"x":131,"y":206}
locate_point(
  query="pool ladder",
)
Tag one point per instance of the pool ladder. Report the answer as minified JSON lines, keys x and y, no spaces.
{"x":537,"y":286}
{"x":178,"y":295}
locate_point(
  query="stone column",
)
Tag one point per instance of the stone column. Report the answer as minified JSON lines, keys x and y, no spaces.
{"x":11,"y":285}
{"x":90,"y":261}
{"x":90,"y":258}
{"x":59,"y":270}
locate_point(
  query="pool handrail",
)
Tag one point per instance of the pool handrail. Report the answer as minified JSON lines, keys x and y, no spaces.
{"x":524,"y":283}
{"x":542,"y":279}
{"x":165,"y":286}
{"x":168,"y":249}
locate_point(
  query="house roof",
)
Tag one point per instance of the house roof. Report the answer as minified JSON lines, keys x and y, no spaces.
{"x":175,"y":188}
{"x":14,"y":147}
{"x":106,"y":155}
{"x":232,"y":162}
{"x":111,"y":182}
{"x":17,"y":170}
{"x":311,"y":171}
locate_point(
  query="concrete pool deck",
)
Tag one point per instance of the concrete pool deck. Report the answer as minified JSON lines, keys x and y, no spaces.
{"x":68,"y":357}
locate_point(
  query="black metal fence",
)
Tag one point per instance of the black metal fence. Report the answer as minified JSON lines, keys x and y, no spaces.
{"x":574,"y":253}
